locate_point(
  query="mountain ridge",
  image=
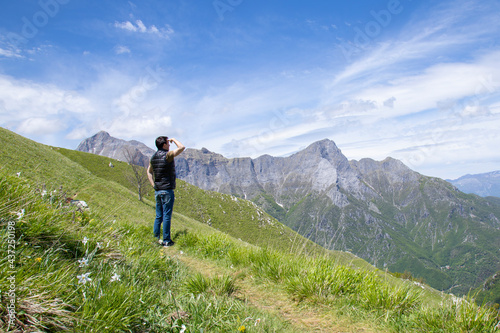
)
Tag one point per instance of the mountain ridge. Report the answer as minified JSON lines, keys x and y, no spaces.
{"x":482,"y":184}
{"x":102,"y":143}
{"x":382,"y":211}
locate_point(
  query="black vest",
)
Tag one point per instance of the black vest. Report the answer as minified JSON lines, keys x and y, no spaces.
{"x":163,"y":171}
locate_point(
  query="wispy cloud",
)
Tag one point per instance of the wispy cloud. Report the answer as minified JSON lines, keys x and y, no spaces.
{"x":439,"y":36}
{"x":41,"y":126}
{"x":120,"y":49}
{"x":39,"y":109}
{"x":139,"y":27}
{"x":9,"y":53}
{"x":24,"y":98}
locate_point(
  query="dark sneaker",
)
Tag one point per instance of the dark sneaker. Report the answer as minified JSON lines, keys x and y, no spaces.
{"x":165,"y":244}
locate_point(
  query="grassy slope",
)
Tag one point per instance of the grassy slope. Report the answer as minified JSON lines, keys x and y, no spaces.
{"x":236,"y":217}
{"x":117,"y":207}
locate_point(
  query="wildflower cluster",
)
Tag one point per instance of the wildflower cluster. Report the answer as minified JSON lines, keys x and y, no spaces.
{"x":85,"y":261}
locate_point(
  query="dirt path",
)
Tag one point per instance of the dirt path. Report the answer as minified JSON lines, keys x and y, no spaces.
{"x":271,"y":299}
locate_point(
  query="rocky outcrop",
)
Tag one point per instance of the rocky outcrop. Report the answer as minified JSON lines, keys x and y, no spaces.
{"x":320,"y":168}
{"x":104,"y":144}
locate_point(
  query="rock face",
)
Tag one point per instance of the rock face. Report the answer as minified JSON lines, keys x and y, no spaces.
{"x":484,"y":184}
{"x":320,"y":168}
{"x":103,"y":144}
{"x":380,"y":210}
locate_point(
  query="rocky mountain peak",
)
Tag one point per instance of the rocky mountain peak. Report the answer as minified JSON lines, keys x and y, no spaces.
{"x":102,"y":135}
{"x":324,"y":148}
{"x":102,"y":143}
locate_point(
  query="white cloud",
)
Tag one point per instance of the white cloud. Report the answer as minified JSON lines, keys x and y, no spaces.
{"x":79,"y":134}
{"x":126,"y":26}
{"x":132,"y":127}
{"x":40,"y":126}
{"x":23,"y":99}
{"x":120,"y":49}
{"x":436,"y":84}
{"x":42,"y":112}
{"x":139,"y":27}
{"x":10,"y":53}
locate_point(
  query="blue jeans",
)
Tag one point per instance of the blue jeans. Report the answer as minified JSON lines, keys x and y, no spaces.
{"x":164,"y":206}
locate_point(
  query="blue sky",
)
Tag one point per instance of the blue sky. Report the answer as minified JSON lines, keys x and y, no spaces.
{"x":415,"y":80}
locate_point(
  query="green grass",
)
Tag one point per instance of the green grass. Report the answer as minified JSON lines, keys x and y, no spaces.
{"x":324,"y":281}
{"x":102,"y":271}
{"x":92,"y":274}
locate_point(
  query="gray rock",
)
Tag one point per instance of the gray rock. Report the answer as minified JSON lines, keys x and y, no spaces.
{"x":128,"y":151}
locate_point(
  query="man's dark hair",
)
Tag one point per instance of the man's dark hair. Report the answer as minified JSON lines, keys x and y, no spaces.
{"x":160,"y":141}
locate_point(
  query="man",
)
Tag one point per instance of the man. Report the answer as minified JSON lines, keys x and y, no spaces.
{"x":161,"y":175}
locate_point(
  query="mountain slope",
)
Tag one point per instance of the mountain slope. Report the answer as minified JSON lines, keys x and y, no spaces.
{"x":238,"y":218}
{"x":82,"y":173}
{"x":484,"y":184}
{"x":454,"y":236}
{"x":126,"y":273}
{"x":489,"y":292}
{"x":100,"y":270}
{"x":382,"y":211}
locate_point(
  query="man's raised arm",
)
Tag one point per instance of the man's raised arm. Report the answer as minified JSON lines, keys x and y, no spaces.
{"x":180,"y":147}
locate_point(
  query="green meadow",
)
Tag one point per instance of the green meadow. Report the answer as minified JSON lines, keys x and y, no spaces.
{"x":234,"y":268}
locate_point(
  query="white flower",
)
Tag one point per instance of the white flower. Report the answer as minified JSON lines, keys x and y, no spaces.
{"x":99,"y":245}
{"x":84,"y":278}
{"x":83,"y":262}
{"x":44,"y":193}
{"x":115,"y":277}
{"x":85,"y":240}
{"x":183,"y":329}
{"x":20,"y":214}
{"x":18,"y":174}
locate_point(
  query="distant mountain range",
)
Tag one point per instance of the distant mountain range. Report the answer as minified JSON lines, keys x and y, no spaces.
{"x":484,"y":184}
{"x":382,"y":211}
